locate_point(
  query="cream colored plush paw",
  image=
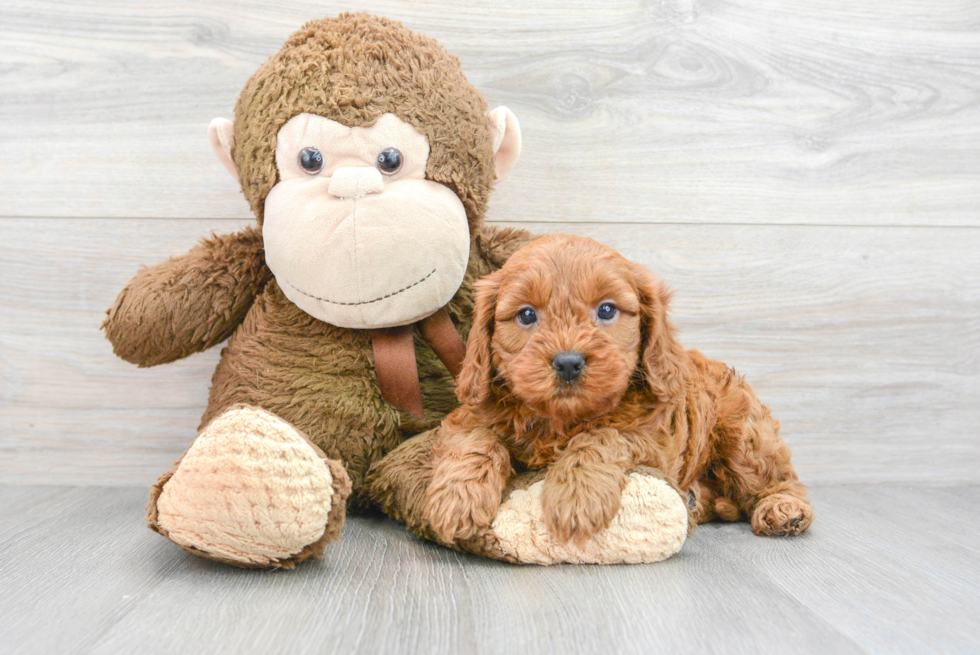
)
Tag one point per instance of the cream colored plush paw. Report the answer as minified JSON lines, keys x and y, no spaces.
{"x":252,"y":491}
{"x":651,"y":526}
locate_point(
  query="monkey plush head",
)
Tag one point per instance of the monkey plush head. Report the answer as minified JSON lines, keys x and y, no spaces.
{"x":368,"y":159}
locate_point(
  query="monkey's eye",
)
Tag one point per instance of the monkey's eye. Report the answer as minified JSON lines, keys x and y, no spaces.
{"x":606,"y":311}
{"x":311,"y":160}
{"x":390,"y":161}
{"x":527,"y":316}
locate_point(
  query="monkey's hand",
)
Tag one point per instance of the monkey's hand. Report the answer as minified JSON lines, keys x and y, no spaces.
{"x":188,"y":303}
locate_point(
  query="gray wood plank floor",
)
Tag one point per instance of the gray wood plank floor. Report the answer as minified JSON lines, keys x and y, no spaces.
{"x":886,"y":568}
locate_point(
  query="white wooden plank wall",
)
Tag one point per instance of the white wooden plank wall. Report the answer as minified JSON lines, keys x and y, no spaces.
{"x":806,"y":175}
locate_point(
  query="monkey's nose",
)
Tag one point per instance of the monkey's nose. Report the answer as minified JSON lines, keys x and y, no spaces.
{"x":568,"y":365}
{"x":355,"y":181}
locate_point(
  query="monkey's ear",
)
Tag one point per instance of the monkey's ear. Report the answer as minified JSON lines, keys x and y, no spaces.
{"x":506,"y":133}
{"x":221,"y":134}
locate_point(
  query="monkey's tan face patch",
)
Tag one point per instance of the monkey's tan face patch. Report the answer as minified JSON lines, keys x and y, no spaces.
{"x":353,"y":240}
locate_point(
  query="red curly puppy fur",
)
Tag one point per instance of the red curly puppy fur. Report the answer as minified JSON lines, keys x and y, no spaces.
{"x":573,"y":364}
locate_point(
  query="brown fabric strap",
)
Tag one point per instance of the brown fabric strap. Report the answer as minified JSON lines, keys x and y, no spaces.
{"x":394,"y":358}
{"x":438,"y":330}
{"x":395,"y":366}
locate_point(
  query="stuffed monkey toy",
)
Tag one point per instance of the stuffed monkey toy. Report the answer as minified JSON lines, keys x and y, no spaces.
{"x":367,"y":159}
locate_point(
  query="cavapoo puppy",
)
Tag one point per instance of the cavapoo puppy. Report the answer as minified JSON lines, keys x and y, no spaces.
{"x":573,"y":365}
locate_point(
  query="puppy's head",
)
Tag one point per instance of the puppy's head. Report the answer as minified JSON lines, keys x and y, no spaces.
{"x":566,"y":326}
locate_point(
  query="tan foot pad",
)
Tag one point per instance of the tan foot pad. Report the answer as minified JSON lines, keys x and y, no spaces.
{"x":251,"y":491}
{"x":651,"y":526}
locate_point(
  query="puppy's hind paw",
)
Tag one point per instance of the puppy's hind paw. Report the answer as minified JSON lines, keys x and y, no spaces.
{"x":781,"y":515}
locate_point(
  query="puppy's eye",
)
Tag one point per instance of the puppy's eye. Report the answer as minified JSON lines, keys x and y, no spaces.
{"x":389,"y":161}
{"x":311,"y":160}
{"x":606,"y":311}
{"x":527,"y":316}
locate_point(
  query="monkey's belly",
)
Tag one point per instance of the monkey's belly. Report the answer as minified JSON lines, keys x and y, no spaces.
{"x":321,"y":379}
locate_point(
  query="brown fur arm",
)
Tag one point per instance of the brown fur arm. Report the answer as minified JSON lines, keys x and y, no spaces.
{"x":471,"y":469}
{"x":583,"y":488}
{"x":188,"y":303}
{"x":497,"y":243}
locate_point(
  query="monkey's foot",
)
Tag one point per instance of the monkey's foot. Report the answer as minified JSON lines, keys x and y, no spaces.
{"x":651,"y":525}
{"x":252,"y":491}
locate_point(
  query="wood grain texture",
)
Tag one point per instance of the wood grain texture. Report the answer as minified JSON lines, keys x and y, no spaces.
{"x":881,"y":571}
{"x":690,"y":111}
{"x":863,"y":340}
{"x":806,"y":177}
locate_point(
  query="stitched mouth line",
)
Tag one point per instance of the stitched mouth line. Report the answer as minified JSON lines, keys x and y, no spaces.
{"x":365,"y":302}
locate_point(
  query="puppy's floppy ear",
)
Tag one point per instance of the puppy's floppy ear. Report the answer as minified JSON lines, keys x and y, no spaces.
{"x":473,"y":383}
{"x":662,"y":358}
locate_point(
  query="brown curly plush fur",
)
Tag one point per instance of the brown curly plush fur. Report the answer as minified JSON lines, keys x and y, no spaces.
{"x":189,"y":303}
{"x":353,"y":69}
{"x":641,"y":399}
{"x":318,"y":377}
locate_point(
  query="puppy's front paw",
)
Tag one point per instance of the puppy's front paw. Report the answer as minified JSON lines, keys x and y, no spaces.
{"x":577,"y":506}
{"x":460,"y":509}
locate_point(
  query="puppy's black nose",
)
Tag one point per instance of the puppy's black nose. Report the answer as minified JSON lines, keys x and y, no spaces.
{"x":568,"y":365}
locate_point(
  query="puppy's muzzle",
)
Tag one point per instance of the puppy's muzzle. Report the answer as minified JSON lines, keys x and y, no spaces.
{"x":568,"y":366}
